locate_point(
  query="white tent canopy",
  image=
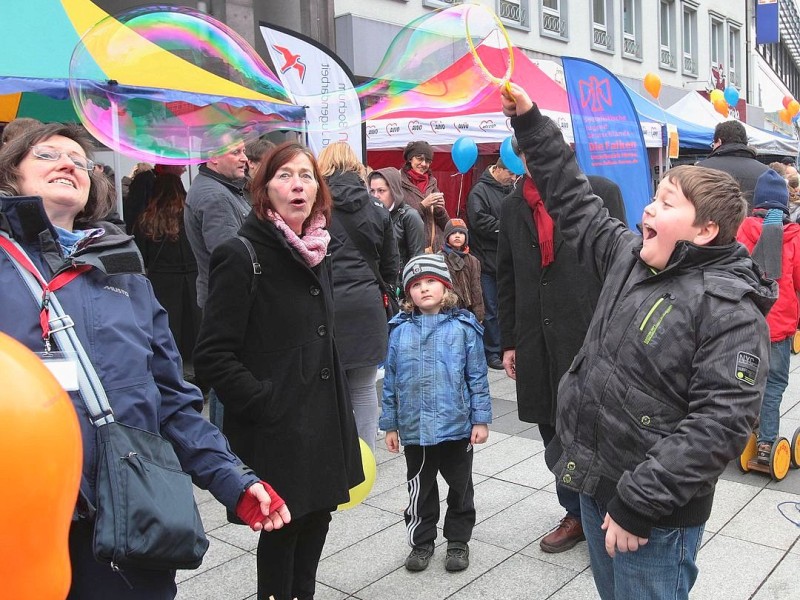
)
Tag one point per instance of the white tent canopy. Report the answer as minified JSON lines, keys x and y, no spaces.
{"x":694,"y":107}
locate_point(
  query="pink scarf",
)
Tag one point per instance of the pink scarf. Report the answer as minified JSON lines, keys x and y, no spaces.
{"x":313,"y":245}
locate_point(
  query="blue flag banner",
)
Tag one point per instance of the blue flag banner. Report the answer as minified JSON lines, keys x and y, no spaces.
{"x":608,"y":136}
{"x":767,"y":31}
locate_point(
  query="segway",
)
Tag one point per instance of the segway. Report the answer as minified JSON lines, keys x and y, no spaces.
{"x":783,"y":456}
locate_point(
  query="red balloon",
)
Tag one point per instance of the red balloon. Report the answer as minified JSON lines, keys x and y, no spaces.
{"x":40,"y":469}
{"x":786,"y":100}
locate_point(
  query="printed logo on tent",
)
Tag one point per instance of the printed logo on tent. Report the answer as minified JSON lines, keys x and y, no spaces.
{"x":460,"y":126}
{"x":392,"y":128}
{"x":508,"y":123}
{"x":437,"y":126}
{"x":372,"y":130}
{"x":595,"y":93}
{"x":562,"y":122}
{"x":291,"y":61}
{"x":414,"y":127}
{"x":487,"y":124}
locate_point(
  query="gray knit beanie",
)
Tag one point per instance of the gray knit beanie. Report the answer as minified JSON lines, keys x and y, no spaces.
{"x":426,"y":265}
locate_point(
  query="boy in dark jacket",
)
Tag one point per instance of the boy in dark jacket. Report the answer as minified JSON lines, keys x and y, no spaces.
{"x":667,"y":385}
{"x":465,"y":269}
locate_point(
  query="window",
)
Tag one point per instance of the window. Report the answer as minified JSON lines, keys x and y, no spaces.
{"x":717,"y":52}
{"x":631,"y":28}
{"x":667,"y":34}
{"x":440,"y":3}
{"x":514,"y":13}
{"x":602,"y":31}
{"x":689,"y":40}
{"x":554,"y":19}
{"x":734,"y":56}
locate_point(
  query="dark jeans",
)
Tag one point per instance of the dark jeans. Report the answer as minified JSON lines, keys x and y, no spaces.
{"x":92,"y":580}
{"x":569,"y":499}
{"x":491,"y":326}
{"x":288,"y":557}
{"x":454,"y":461}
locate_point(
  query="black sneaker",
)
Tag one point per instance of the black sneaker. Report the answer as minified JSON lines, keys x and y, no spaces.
{"x":457,"y":556}
{"x":764,"y":453}
{"x":420,"y":557}
{"x":496,"y":363}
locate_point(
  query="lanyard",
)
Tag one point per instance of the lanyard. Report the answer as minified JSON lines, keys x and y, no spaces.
{"x":58,"y":282}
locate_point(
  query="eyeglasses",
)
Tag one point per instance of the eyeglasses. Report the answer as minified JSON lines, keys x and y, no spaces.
{"x":421,"y":158}
{"x":48,"y":153}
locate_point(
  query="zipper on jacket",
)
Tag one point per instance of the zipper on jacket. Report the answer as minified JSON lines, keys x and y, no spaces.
{"x":652,"y":310}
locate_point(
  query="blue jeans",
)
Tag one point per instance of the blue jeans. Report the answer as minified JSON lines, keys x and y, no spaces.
{"x":664,"y":568}
{"x":491,"y":326}
{"x":215,"y":409}
{"x":777,"y":380}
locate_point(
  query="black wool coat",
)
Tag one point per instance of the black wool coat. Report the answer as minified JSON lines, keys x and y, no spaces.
{"x":272,"y":360}
{"x":544,"y":312}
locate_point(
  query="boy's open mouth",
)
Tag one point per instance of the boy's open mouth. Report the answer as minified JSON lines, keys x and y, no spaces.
{"x":648,"y":232}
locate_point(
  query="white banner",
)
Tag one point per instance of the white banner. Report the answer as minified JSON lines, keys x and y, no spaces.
{"x":317,"y":79}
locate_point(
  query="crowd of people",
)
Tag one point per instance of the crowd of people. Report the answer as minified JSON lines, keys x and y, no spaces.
{"x":273,"y":281}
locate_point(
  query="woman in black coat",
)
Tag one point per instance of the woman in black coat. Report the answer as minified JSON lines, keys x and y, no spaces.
{"x":169,"y":260}
{"x":366,"y":249}
{"x":266,"y":347}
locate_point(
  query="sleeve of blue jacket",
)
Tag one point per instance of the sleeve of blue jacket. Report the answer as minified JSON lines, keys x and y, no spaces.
{"x":201,"y":448}
{"x":388,"y":420}
{"x":476,"y":375}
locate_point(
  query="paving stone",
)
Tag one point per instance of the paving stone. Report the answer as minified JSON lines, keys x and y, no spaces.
{"x":509,"y":423}
{"x":761,"y":522}
{"x":580,"y":588}
{"x":531,"y":433}
{"x":730,"y":497}
{"x":504,"y":454}
{"x":233,"y":580}
{"x":218,"y":553}
{"x":502,"y":407}
{"x":350,"y":526}
{"x":531,"y":472}
{"x":518,"y":578}
{"x":240,"y":536}
{"x":493,"y":496}
{"x":782,"y":582}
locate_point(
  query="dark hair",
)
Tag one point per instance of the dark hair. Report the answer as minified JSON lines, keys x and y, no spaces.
{"x":500,"y":164}
{"x":17,"y":127}
{"x":99,"y":202}
{"x":788,"y":160}
{"x":279,"y":156}
{"x":256,"y":149}
{"x":716,"y":197}
{"x":163,"y":216}
{"x":730,"y":132}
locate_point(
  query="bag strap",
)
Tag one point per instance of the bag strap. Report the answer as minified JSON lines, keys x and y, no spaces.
{"x":62,"y":328}
{"x":253,"y":259}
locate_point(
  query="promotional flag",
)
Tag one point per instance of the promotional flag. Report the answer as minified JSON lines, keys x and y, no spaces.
{"x":320,"y":81}
{"x":608,"y":135}
{"x":767,"y":30}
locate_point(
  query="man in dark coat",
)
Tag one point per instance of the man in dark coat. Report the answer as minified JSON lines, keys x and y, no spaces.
{"x":545,"y":311}
{"x":483,"y":213}
{"x":730,"y":153}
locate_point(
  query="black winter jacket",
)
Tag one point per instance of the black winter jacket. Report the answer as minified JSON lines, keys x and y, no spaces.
{"x":484,"y":205}
{"x":669,"y":381}
{"x":739,"y":161}
{"x":361,"y":333}
{"x":272,"y":360}
{"x":409,"y":230}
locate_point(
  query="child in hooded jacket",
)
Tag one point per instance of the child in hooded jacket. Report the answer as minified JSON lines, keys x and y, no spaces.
{"x":436,"y":400}
{"x":775,"y":245}
{"x":465,"y":269}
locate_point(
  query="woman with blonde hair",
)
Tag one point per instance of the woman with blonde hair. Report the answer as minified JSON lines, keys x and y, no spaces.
{"x":365,"y":265}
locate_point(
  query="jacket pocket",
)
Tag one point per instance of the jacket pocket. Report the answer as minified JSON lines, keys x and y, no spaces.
{"x":650,"y":413}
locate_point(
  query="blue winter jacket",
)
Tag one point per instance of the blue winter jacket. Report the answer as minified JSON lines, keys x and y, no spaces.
{"x":125,"y":332}
{"x":435,"y":386}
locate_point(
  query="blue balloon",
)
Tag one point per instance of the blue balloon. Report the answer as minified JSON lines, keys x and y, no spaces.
{"x":512,"y":161}
{"x":465,"y":153}
{"x":731,"y":95}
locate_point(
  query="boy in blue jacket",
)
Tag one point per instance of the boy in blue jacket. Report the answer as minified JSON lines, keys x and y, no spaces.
{"x":436,"y":399}
{"x":667,"y":386}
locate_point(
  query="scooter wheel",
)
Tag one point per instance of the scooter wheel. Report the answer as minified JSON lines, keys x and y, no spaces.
{"x":780,"y":459}
{"x":749,"y":453}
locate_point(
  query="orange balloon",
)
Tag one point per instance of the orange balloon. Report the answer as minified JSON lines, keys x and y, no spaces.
{"x":40,"y":466}
{"x":721,"y":106}
{"x":652,"y":83}
{"x":785,"y":116}
{"x":793,"y":107}
{"x":716,"y":95}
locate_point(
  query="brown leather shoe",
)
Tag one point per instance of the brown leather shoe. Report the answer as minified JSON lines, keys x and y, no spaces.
{"x":564,"y":537}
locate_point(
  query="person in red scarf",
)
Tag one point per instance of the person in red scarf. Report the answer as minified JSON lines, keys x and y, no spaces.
{"x":545,"y":302}
{"x":421,"y":191}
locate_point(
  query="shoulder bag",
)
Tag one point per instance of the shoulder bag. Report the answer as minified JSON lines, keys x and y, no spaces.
{"x":146,"y":516}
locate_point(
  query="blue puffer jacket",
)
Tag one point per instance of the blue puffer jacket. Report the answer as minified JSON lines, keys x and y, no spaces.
{"x":435,"y":386}
{"x":126,"y":335}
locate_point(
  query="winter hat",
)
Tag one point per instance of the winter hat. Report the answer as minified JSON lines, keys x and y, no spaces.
{"x":771,"y":191}
{"x":426,"y":265}
{"x":418,"y":148}
{"x":454,"y":225}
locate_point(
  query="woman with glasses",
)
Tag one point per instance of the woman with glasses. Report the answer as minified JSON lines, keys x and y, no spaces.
{"x":53,"y":205}
{"x":421,"y":191}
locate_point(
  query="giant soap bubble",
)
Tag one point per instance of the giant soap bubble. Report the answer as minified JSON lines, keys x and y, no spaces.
{"x":174,"y":86}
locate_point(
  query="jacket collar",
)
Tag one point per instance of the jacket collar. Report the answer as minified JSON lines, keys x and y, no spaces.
{"x":234,"y":185}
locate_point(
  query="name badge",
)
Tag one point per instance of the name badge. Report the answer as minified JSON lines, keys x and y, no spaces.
{"x":64,"y":367}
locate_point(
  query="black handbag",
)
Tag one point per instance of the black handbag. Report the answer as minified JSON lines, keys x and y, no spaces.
{"x":146,"y":516}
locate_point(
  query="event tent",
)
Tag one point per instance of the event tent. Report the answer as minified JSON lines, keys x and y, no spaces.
{"x":484,"y":123}
{"x":695,"y":107}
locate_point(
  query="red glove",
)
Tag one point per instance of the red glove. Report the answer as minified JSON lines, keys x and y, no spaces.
{"x":248,"y":509}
